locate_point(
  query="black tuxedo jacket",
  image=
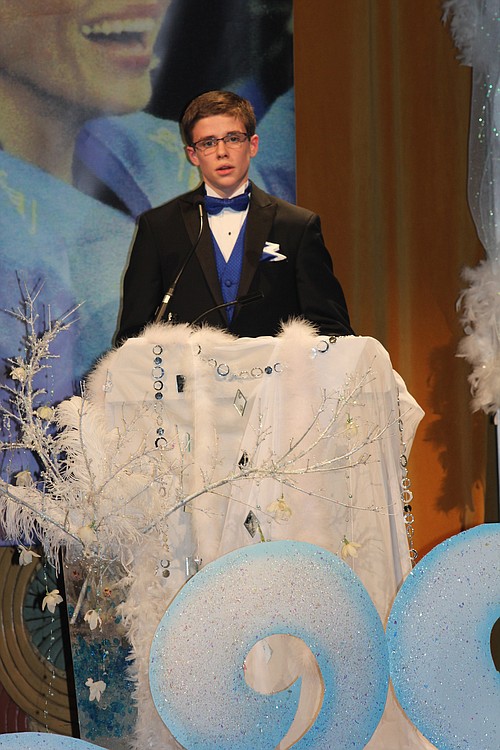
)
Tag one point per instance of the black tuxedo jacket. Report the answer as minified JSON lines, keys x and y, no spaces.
{"x":302,"y":286}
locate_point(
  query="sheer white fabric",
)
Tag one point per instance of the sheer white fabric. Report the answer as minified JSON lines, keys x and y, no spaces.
{"x":312,"y":421}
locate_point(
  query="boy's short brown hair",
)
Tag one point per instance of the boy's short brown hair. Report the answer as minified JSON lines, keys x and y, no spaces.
{"x":216,"y":103}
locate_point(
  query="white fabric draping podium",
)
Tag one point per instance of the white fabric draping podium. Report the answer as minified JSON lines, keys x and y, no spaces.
{"x":296,"y":436}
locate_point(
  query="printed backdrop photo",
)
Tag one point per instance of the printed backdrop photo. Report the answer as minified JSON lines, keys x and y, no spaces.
{"x":91,"y":94}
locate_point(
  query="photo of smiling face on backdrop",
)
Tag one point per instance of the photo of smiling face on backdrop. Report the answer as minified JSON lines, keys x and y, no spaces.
{"x":90,"y":139}
{"x":66,"y":61}
{"x":93,"y":54}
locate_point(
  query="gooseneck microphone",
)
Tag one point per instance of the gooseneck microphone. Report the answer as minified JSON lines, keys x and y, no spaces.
{"x":245,"y":299}
{"x":169,"y":294}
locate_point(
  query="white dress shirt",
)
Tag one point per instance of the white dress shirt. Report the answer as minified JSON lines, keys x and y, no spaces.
{"x":226,"y":225}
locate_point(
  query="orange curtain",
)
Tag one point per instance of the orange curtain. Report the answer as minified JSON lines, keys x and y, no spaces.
{"x":382,"y":128}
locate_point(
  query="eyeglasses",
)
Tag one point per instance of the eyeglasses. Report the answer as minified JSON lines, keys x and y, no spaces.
{"x":231,"y":140}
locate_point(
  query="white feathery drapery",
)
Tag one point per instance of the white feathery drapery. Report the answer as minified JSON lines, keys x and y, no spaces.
{"x":475,"y":27}
{"x":316,"y":427}
{"x":298,"y":436}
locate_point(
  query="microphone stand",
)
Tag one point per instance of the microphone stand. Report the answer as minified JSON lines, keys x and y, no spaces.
{"x":245,"y":299}
{"x":169,"y":294}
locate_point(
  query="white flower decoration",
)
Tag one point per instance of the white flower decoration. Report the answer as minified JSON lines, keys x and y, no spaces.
{"x":351,"y":428}
{"x":87,"y":534}
{"x":280,"y":510}
{"x":51,"y":600}
{"x":26,"y":555}
{"x":96,"y":689}
{"x":349,"y":549}
{"x":24,"y":478}
{"x":93,"y":619}
{"x":19,"y":373}
{"x":46,"y":413}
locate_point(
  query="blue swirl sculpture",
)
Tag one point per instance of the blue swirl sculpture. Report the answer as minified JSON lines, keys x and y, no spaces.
{"x":294,"y":588}
{"x":42,"y":741}
{"x":438,"y":636}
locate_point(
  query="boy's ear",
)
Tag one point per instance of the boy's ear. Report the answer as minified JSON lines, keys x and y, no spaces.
{"x":192,"y":156}
{"x":254,"y":144}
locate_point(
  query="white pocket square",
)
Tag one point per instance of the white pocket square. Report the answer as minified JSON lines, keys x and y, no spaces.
{"x":271,"y":252}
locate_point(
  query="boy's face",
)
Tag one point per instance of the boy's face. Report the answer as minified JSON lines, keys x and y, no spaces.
{"x":225,"y":168}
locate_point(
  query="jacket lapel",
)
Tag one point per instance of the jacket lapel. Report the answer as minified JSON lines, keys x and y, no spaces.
{"x":204,"y":251}
{"x":260,"y":218}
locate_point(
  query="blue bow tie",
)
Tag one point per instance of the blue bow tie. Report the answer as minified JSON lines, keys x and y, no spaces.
{"x":216,"y":205}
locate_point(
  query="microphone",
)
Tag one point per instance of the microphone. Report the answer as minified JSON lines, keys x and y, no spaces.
{"x":245,"y":299}
{"x":169,"y":294}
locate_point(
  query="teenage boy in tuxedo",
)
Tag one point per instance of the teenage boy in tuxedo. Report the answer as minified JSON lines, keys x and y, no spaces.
{"x":231,"y":240}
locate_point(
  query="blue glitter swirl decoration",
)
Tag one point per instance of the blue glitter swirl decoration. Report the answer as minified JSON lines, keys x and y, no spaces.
{"x":438,"y":636}
{"x":196,"y":667}
{"x":42,"y":741}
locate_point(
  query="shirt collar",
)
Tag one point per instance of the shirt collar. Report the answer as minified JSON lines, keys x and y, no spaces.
{"x":239,"y":191}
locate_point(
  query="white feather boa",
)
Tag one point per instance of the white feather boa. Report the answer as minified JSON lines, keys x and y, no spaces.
{"x":464,"y":16}
{"x":479,"y":306}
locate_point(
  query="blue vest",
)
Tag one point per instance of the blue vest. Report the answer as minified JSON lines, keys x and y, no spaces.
{"x":229,"y":272}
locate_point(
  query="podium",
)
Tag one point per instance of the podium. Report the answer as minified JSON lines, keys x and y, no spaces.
{"x":217,"y":443}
